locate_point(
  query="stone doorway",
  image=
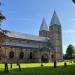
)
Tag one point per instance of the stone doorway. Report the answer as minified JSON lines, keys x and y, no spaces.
{"x":45,"y":58}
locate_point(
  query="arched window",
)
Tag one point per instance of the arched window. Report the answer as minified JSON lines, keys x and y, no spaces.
{"x":21,"y":55}
{"x":11,"y":54}
{"x":0,"y":53}
{"x":30,"y":55}
{"x":52,"y":56}
{"x":45,"y":58}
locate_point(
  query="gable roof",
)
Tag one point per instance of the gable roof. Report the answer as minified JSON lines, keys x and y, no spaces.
{"x":26,"y":36}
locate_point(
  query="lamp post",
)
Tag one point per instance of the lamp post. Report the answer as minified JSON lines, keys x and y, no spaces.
{"x":40,"y":57}
{"x":54,"y":58}
{"x":49,"y":53}
{"x":55,"y":63}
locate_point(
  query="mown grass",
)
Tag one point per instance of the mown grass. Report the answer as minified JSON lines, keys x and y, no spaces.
{"x":36,"y":69}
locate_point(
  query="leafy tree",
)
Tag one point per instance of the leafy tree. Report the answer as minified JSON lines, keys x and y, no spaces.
{"x":69,"y":51}
{"x":73,"y":1}
{"x":73,"y":55}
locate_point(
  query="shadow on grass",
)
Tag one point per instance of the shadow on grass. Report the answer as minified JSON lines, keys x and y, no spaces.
{"x":69,"y":70}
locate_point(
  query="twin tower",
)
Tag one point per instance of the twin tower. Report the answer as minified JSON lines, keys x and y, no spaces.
{"x":54,"y":33}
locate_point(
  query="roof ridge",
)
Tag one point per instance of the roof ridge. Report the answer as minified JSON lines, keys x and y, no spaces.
{"x":24,"y":33}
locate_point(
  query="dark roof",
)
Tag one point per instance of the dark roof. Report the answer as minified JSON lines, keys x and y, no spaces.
{"x":44,"y":25}
{"x":26,"y":36}
{"x":55,"y":19}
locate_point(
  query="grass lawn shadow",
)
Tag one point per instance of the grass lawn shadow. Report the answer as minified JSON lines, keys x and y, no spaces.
{"x":45,"y":70}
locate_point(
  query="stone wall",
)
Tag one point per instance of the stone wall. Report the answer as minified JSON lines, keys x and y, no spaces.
{"x":36,"y":55}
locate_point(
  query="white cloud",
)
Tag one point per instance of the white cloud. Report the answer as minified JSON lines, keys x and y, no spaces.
{"x":73,"y":19}
{"x":69,"y":31}
{"x":64,"y":49}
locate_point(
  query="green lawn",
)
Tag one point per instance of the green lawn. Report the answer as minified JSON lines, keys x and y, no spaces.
{"x":36,"y":69}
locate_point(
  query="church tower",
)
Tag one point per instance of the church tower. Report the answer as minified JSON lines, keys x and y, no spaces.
{"x":56,"y":37}
{"x":43,"y":29}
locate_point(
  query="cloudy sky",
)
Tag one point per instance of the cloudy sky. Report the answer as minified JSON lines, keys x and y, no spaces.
{"x":26,"y":16}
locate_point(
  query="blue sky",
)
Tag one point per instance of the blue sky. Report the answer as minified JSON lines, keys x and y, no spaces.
{"x":26,"y":16}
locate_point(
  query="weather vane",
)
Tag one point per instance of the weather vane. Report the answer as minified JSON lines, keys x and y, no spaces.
{"x":2,"y":17}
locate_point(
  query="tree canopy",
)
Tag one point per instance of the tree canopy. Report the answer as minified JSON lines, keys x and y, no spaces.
{"x":73,"y":1}
{"x":70,"y":52}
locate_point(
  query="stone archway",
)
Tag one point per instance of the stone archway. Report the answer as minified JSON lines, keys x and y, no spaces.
{"x":45,"y":58}
{"x":11,"y":54}
{"x":31,"y":55}
{"x":21,"y":55}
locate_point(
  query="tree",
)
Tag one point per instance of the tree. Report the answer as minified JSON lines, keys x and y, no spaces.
{"x":73,"y":1}
{"x":73,"y":55}
{"x":69,"y":51}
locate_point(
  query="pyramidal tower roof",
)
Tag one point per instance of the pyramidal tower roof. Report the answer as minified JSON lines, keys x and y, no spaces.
{"x":55,"y":19}
{"x":44,"y":25}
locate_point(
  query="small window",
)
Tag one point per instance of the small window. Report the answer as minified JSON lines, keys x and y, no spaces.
{"x":45,"y":58}
{"x":30,"y":55}
{"x":21,"y":55}
{"x":11,"y":55}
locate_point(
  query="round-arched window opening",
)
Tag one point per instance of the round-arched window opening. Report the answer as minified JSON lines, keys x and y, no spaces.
{"x":11,"y":55}
{"x":0,"y":54}
{"x":52,"y":56}
{"x":21,"y":55}
{"x":0,"y":58}
{"x":45,"y":58}
{"x":30,"y":55}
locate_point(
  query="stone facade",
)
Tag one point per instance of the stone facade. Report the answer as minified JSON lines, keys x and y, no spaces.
{"x":25,"y":48}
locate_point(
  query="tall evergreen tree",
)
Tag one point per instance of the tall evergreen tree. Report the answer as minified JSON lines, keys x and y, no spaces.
{"x":69,"y":51}
{"x":73,"y":53}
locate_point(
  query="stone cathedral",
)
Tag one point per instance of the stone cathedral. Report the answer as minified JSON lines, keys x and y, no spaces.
{"x":26,"y":48}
